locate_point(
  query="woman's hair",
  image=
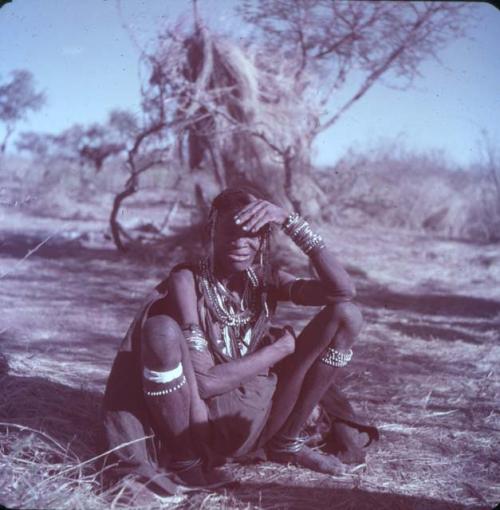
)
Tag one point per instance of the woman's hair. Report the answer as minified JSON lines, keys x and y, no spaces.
{"x":233,"y":198}
{"x":237,"y":198}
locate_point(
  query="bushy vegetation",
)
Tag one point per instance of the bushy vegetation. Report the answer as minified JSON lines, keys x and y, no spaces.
{"x":388,"y":186}
{"x":398,"y":188}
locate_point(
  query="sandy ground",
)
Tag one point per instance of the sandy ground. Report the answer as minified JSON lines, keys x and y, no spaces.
{"x":424,"y":366}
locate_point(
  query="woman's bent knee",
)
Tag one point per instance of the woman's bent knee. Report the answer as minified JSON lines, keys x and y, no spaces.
{"x":352,"y":318}
{"x":161,"y":338}
{"x":348,"y":317}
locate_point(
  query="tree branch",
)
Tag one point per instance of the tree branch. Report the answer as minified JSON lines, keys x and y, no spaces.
{"x":375,"y":75}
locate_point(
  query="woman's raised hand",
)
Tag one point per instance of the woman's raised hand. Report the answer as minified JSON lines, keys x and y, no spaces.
{"x":259,"y":213}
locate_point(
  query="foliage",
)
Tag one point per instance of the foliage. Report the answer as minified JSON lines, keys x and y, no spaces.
{"x":490,"y":166}
{"x":18,"y":98}
{"x":91,"y":145}
{"x":251,"y":111}
{"x":235,"y":119}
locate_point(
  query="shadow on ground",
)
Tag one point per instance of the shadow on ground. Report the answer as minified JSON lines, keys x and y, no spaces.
{"x":153,"y":248}
{"x":275,"y":495}
{"x":431,"y":332}
{"x":70,"y":416}
{"x":13,"y":244}
{"x":95,"y":278}
{"x":431,"y":304}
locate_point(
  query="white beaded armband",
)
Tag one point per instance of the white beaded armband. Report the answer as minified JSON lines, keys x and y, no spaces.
{"x":175,"y":376}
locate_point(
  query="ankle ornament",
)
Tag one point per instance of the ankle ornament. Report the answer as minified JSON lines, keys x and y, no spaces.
{"x":336,"y":358}
{"x":286,"y":444}
{"x":184,"y":465}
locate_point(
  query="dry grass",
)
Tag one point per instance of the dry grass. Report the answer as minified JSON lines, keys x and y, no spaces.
{"x":60,"y":469}
{"x":424,"y":370}
{"x":41,"y":469}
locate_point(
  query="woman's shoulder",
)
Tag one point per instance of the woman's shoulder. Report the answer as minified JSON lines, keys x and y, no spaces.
{"x":184,"y":274}
{"x":184,"y":268}
{"x":181,"y":275}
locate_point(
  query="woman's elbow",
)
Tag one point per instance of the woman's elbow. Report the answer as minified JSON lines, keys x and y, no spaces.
{"x":345,"y":294}
{"x":350,"y":292}
{"x":208,"y":387}
{"x":205,"y":389}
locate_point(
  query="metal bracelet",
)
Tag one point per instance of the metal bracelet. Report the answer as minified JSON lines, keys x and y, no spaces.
{"x":301,"y":233}
{"x":195,"y":337}
{"x":286,"y":444}
{"x":290,"y":221}
{"x":184,"y":465}
{"x":316,"y":242}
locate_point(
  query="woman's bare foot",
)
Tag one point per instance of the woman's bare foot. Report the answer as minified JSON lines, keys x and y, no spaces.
{"x":198,"y":477}
{"x":311,"y":459}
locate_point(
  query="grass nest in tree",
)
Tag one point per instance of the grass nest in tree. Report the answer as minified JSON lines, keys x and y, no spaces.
{"x":241,"y":113}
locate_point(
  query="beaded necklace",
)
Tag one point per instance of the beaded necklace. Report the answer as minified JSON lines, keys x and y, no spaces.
{"x":237,"y":318}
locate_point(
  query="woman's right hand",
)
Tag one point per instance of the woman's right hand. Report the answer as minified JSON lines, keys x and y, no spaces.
{"x":286,"y":341}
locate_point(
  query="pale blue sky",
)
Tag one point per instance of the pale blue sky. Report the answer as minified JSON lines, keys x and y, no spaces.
{"x":87,"y":64}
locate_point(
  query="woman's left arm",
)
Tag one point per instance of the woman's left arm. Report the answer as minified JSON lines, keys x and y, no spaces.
{"x":333,"y":284}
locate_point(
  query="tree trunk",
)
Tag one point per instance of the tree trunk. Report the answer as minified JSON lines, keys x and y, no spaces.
{"x":8,"y":133}
{"x":217,"y":164}
{"x":116,"y":228}
{"x":291,"y":165}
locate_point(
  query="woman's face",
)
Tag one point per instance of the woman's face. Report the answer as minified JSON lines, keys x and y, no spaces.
{"x":235,"y":249}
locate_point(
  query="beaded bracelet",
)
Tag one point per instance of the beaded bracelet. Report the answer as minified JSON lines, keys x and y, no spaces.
{"x":336,"y":358}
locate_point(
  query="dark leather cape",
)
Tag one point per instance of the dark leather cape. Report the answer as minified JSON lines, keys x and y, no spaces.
{"x":128,"y":432}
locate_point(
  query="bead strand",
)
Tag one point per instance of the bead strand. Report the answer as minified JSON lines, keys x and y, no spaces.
{"x":167,"y":390}
{"x":226,"y":317}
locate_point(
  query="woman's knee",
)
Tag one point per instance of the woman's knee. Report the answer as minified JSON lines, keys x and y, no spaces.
{"x":161,"y":348}
{"x":347,"y":317}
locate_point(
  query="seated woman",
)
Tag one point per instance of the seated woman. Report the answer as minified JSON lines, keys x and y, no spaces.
{"x":202,"y":376}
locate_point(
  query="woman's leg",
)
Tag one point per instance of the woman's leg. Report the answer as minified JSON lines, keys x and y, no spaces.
{"x":162,"y":352}
{"x":179,"y":413}
{"x":303,"y":379}
{"x":348,"y":321}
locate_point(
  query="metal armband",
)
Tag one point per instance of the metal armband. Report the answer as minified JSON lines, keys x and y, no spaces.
{"x":299,"y":230}
{"x":195,"y":337}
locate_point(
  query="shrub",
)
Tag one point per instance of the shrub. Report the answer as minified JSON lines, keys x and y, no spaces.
{"x":394,"y":187}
